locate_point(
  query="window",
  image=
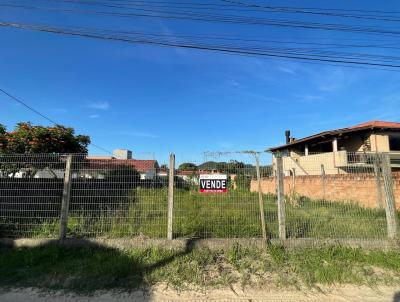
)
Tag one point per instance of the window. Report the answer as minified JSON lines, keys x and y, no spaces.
{"x":394,"y":143}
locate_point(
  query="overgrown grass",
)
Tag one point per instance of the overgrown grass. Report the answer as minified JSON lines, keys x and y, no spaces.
{"x":91,"y":269}
{"x":235,"y":214}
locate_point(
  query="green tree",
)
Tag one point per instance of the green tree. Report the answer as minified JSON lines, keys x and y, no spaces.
{"x":243,"y":182}
{"x":3,"y":141}
{"x":187,"y":167}
{"x":27,"y":138}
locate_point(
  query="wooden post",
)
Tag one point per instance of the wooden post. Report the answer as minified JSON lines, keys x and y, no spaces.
{"x":261,"y":203}
{"x":323,"y":181}
{"x":65,"y":198}
{"x":281,"y":198}
{"x":171,"y":195}
{"x":293,"y":182}
{"x":391,"y":217}
{"x":378,"y":175}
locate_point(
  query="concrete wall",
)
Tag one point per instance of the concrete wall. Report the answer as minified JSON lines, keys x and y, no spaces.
{"x":361,"y":189}
{"x":311,"y":164}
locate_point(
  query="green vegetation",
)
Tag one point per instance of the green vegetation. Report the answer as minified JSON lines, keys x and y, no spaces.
{"x":235,"y":214}
{"x":90,"y":269}
{"x":187,"y":167}
{"x":27,"y":138}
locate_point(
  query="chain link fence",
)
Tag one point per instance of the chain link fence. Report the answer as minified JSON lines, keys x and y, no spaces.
{"x":330,"y":195}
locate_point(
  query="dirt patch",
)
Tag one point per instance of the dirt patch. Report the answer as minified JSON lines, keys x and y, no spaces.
{"x":162,"y":293}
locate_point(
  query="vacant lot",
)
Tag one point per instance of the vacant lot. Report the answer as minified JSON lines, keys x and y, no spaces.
{"x":235,"y":214}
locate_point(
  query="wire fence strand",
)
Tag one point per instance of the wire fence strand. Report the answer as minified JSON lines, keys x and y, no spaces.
{"x":326,"y":196}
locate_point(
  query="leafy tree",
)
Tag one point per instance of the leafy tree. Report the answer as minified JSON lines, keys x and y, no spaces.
{"x":187,"y":167}
{"x":209,"y":165}
{"x":243,"y":182}
{"x":3,"y":141}
{"x":27,"y":138}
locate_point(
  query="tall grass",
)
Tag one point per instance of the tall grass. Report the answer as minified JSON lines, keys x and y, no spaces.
{"x":234,"y":214}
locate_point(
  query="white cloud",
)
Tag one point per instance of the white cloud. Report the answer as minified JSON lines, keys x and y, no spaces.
{"x":99,"y":105}
{"x":310,"y":97}
{"x":92,"y":116}
{"x":234,"y":83}
{"x":331,"y":81}
{"x":142,"y":134}
{"x":135,"y":134}
{"x":286,"y":70}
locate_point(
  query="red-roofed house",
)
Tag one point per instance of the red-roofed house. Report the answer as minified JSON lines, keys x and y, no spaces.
{"x":148,"y":169}
{"x":341,"y":150}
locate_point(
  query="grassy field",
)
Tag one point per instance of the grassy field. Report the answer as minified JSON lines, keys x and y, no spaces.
{"x":90,"y":269}
{"x":235,"y":214}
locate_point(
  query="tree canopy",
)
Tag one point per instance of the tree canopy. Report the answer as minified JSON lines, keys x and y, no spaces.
{"x":187,"y":167}
{"x":27,"y":138}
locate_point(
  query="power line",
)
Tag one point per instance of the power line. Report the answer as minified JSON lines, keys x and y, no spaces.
{"x":216,"y":48}
{"x":231,"y":19}
{"x":313,"y":11}
{"x":18,"y":100}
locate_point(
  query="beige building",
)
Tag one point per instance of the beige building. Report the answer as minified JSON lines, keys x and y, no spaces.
{"x":342,"y":150}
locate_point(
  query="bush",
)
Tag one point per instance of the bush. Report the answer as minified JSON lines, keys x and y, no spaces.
{"x":243,"y":182}
{"x":124,"y":174}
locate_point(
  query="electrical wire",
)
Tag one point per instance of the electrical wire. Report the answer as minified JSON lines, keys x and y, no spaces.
{"x":18,"y":100}
{"x":199,"y":46}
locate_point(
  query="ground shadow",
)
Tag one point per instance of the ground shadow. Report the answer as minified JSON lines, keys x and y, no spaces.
{"x":396,"y":297}
{"x":83,"y":269}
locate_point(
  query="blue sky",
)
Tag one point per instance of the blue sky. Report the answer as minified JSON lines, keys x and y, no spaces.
{"x":159,"y":100}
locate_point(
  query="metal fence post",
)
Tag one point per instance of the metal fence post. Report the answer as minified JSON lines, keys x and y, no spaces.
{"x":65,"y":198}
{"x":281,"y":197}
{"x":261,"y":202}
{"x":391,"y":218}
{"x":171,"y":195}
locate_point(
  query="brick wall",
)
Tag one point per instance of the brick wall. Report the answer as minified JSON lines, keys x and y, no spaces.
{"x":360,"y":188}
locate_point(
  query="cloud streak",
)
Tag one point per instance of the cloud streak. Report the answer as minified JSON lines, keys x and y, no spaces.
{"x":99,"y":105}
{"x":134,"y":133}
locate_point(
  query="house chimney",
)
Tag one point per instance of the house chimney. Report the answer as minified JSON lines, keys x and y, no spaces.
{"x":287,"y":134}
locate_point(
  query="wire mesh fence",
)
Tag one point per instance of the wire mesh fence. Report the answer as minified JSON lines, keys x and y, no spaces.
{"x":213,"y":213}
{"x":334,"y":195}
{"x":221,"y":195}
{"x":116,"y":198}
{"x":30,"y":194}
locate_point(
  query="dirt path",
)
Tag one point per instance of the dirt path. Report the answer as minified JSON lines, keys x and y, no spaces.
{"x":339,"y":294}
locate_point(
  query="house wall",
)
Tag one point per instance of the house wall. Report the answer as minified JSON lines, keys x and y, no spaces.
{"x":311,"y":164}
{"x":380,"y":142}
{"x":351,"y":144}
{"x":360,"y":189}
{"x":149,"y":174}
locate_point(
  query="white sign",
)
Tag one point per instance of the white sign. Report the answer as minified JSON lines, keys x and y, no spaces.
{"x":213,"y":183}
